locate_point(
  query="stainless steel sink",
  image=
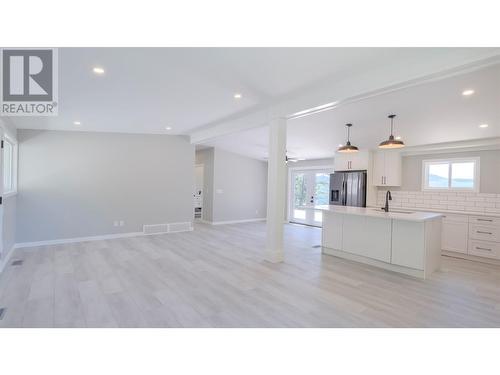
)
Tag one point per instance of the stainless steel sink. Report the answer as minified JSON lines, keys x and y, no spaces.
{"x":396,"y":211}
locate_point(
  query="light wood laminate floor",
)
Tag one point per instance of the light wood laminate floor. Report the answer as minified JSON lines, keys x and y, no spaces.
{"x":215,"y":276}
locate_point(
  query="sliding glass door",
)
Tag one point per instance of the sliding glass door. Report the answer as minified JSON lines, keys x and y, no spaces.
{"x":308,"y":188}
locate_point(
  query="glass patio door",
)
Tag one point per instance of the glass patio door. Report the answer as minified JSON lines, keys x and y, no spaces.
{"x":309,"y":188}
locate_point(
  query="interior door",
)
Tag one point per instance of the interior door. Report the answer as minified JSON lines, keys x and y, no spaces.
{"x":309,"y":188}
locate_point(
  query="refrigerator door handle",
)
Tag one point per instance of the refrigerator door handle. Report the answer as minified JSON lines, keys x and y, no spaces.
{"x":345,"y":193}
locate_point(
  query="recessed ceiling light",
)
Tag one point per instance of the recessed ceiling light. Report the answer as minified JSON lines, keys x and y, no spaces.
{"x":467,"y":92}
{"x":168,"y":128}
{"x":237,"y":96}
{"x":98,"y":70}
{"x":77,"y":122}
{"x":483,"y":125}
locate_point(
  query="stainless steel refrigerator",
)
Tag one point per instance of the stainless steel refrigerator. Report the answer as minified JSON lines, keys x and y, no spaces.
{"x":348,"y":188}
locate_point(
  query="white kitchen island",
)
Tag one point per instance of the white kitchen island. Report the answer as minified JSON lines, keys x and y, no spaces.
{"x":401,"y":241}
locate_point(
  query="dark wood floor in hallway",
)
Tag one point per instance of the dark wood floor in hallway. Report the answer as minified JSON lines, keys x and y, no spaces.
{"x":215,"y":276}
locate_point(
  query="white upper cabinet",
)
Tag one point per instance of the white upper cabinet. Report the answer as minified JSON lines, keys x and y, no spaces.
{"x":386,"y":168}
{"x":355,"y":161}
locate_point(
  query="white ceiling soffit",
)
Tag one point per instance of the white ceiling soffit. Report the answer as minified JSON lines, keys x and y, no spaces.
{"x":430,"y":116}
{"x":407,"y":68}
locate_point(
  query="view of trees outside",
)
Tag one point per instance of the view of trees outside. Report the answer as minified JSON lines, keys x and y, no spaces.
{"x":307,"y":184}
{"x":300,"y":190}
{"x":322,"y":187}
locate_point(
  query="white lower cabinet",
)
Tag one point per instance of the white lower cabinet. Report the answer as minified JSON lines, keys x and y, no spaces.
{"x":454,"y":235}
{"x":471,"y":235}
{"x":484,"y":232}
{"x":485,"y":249}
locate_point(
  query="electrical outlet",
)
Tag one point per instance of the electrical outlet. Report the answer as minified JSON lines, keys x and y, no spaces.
{"x":116,"y":223}
{"x":122,"y":223}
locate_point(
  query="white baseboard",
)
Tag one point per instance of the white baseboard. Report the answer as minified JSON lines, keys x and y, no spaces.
{"x":91,"y":238}
{"x":77,"y":239}
{"x":236,"y":221}
{"x":6,"y":259}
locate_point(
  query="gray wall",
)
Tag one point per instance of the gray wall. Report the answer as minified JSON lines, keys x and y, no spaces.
{"x":9,"y":206}
{"x":240,"y":187}
{"x":206,"y":157}
{"x":75,"y":184}
{"x":489,"y":169}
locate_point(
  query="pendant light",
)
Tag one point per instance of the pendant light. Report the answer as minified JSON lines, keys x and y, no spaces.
{"x":391,"y":142}
{"x":348,"y":147}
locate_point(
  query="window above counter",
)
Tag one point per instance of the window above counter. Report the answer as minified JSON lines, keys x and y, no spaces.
{"x":451,"y":174}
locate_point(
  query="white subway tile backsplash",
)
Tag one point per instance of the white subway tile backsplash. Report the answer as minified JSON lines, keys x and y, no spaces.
{"x":475,"y":199}
{"x":454,"y":201}
{"x":485,"y":204}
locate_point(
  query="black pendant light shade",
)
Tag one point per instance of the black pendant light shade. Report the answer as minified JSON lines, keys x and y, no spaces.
{"x":348,"y":147}
{"x":392,"y":142}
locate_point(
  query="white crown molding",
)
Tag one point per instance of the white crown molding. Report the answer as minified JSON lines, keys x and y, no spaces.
{"x":484,"y":144}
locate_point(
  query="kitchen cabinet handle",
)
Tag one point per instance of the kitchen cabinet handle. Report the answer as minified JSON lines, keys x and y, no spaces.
{"x":482,"y":248}
{"x":381,"y":180}
{"x":479,"y":231}
{"x":490,"y":220}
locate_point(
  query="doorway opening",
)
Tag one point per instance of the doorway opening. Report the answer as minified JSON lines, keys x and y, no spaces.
{"x":198,"y":191}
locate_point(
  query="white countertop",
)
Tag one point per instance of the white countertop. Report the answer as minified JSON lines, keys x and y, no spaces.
{"x":414,"y":215}
{"x":473,"y":213}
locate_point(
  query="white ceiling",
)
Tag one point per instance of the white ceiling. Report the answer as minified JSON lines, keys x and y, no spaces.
{"x":144,"y":90}
{"x":429,"y":113}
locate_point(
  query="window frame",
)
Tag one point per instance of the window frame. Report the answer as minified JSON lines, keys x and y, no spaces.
{"x":13,"y":166}
{"x":450,"y":162}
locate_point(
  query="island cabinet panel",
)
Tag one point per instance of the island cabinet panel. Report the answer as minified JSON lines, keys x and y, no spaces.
{"x":408,"y":244}
{"x":367,"y":236}
{"x":332,"y":232}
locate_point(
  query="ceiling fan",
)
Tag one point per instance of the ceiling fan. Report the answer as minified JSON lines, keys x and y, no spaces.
{"x":288,"y":158}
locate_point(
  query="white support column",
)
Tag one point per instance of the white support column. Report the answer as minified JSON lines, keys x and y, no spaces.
{"x":276,"y":194}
